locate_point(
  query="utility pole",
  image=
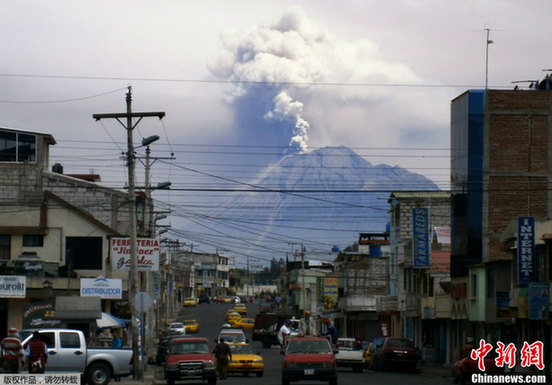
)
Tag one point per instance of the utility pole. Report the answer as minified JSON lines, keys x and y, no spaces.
{"x":303,"y":290}
{"x":133,"y":277}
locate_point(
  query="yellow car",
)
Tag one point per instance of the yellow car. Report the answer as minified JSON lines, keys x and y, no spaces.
{"x":191,"y":326}
{"x":240,"y":308}
{"x":232,"y":317}
{"x":244,"y":323}
{"x":190,"y":302}
{"x":245,"y":360}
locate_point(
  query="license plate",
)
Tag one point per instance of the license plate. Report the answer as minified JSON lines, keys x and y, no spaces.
{"x":247,"y":365}
{"x":309,"y":372}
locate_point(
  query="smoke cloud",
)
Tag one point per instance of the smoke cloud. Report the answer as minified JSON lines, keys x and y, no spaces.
{"x":283,"y":60}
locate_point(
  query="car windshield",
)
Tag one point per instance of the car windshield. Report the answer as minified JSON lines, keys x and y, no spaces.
{"x":189,"y":322}
{"x":309,"y":346}
{"x":189,"y":348}
{"x":242,"y":349}
{"x":232,"y":337}
{"x":176,"y":325}
{"x":399,"y":343}
{"x":345,"y":344}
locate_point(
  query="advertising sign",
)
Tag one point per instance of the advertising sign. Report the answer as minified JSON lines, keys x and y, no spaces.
{"x":40,"y":315}
{"x":526,"y":261}
{"x":12,"y":286}
{"x":147,"y":254}
{"x":101,"y":287}
{"x":330,"y":293}
{"x":420,"y":237}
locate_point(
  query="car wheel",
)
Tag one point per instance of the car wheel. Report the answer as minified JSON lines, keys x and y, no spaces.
{"x":212,"y":381}
{"x":464,"y":377}
{"x":333,"y":381}
{"x":170,"y":381}
{"x":98,"y":374}
{"x":285,"y":381}
{"x":259,"y":374}
{"x":358,"y":368}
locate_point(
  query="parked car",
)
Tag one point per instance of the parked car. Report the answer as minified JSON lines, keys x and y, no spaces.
{"x":190,"y":358}
{"x":163,"y":346}
{"x":67,"y":352}
{"x":177,"y":328}
{"x":232,"y":335}
{"x":309,"y":358}
{"x":191,"y":326}
{"x":240,"y":308}
{"x":397,"y":352}
{"x":232,"y":316}
{"x":349,"y":355}
{"x":190,"y":302}
{"x":245,"y":360}
{"x":465,"y":367}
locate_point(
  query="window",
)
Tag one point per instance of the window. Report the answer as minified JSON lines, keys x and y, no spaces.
{"x":49,"y":339}
{"x":5,"y":247}
{"x":17,"y":147}
{"x":33,"y":240}
{"x":473,"y":286}
{"x":69,"y":340}
{"x":84,"y":252}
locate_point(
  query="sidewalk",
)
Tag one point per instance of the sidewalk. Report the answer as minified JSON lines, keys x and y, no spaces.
{"x":435,"y":370}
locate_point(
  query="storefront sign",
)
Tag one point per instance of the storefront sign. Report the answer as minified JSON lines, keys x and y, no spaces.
{"x":12,"y":286}
{"x":539,"y":299}
{"x":330,"y":293}
{"x":40,"y":315}
{"x":101,"y":287}
{"x":526,"y":262}
{"x":147,"y":254}
{"x":420,"y":239}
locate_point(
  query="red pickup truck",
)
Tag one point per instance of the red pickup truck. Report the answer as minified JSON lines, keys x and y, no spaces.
{"x":309,"y":358}
{"x":190,"y":358}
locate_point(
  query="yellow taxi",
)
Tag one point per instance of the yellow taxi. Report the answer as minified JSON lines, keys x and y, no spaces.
{"x":240,"y":308}
{"x":191,"y":326}
{"x":244,"y":323}
{"x":190,"y":302}
{"x":232,"y":317}
{"x":245,"y":360}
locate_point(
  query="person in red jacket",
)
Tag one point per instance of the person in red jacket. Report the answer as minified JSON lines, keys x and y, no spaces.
{"x":37,"y":354}
{"x":12,"y":352}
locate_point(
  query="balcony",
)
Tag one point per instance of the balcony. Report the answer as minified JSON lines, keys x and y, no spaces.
{"x":357,"y":302}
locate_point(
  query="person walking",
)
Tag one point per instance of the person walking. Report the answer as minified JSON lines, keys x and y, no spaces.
{"x":37,"y":354}
{"x":307,"y":325}
{"x":331,"y":331}
{"x":12,"y":352}
{"x":223,"y":355}
{"x":283,"y":333}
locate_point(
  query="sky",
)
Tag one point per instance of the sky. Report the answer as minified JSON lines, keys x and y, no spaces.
{"x":244,"y":82}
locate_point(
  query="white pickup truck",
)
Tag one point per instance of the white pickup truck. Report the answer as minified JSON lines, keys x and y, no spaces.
{"x":348,"y":355}
{"x":67,"y":352}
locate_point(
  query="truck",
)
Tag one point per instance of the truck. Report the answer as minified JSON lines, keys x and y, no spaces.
{"x":348,"y":355}
{"x":67,"y":352}
{"x":190,"y":358}
{"x":267,"y":326}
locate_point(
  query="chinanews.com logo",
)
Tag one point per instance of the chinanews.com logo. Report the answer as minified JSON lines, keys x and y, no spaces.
{"x":506,"y":357}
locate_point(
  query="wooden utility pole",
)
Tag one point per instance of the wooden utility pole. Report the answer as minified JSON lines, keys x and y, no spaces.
{"x":133,"y":277}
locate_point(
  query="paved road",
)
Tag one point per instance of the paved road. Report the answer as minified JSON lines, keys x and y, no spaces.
{"x":211,"y":317}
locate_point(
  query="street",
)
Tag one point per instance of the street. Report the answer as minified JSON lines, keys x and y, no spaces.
{"x":211,"y":317}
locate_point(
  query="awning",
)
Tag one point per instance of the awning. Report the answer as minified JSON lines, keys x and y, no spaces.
{"x":78,"y":308}
{"x":109,"y":321}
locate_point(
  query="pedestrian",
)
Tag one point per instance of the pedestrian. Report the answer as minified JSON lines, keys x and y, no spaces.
{"x":283,"y":333}
{"x":223,"y":355}
{"x":116,"y":342}
{"x":37,"y":354}
{"x":331,"y":331}
{"x":12,"y":352}
{"x":307,"y":325}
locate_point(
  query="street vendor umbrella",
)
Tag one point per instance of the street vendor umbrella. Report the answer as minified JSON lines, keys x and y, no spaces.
{"x":109,"y":321}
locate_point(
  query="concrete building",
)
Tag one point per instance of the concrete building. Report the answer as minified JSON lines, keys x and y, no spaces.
{"x":501,"y":171}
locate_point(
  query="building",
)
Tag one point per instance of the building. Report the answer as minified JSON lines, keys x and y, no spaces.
{"x":501,"y":171}
{"x":55,"y":230}
{"x":418,"y":244}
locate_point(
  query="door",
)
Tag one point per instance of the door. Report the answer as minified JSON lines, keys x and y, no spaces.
{"x":49,"y":338}
{"x":73,"y":352}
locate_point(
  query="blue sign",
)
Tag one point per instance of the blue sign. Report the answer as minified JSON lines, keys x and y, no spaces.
{"x":526,"y":260}
{"x":539,"y":298}
{"x":420,"y":240}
